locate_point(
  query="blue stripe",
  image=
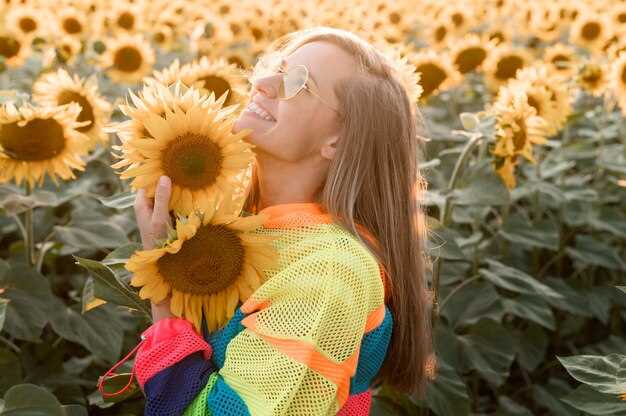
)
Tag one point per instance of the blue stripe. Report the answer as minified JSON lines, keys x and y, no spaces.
{"x":223,"y":400}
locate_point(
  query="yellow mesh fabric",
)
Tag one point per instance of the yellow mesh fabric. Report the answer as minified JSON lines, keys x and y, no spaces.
{"x":304,"y":325}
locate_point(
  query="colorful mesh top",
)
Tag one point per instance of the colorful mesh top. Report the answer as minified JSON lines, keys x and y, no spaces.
{"x":309,"y":341}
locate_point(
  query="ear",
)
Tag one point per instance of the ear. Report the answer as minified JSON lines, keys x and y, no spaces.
{"x":329,"y":148}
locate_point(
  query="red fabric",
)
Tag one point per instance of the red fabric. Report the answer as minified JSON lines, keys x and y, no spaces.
{"x":165,"y":343}
{"x":357,"y":405}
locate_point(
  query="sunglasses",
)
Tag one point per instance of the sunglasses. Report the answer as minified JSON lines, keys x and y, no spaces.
{"x":293,"y":80}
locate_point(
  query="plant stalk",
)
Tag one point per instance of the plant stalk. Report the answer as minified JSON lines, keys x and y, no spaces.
{"x":29,"y":242}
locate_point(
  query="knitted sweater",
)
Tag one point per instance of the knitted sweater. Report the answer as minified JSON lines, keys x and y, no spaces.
{"x":309,"y":341}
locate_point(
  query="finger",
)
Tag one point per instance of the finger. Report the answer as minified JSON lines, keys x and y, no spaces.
{"x":162,"y":200}
{"x":142,"y":203}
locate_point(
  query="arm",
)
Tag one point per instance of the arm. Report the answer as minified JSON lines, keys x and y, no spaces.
{"x":297,"y":351}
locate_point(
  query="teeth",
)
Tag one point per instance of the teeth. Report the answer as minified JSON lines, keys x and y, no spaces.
{"x":258,"y":110}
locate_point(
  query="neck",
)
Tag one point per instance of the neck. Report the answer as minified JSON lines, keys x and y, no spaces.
{"x":286,"y":183}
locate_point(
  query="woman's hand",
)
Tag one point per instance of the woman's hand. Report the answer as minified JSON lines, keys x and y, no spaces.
{"x":153,"y":218}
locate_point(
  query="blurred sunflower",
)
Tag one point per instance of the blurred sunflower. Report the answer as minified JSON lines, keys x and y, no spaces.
{"x":126,"y":17}
{"x":212,"y":262}
{"x":210,"y":34}
{"x":39,"y":141}
{"x":128,"y":58}
{"x":406,"y":71}
{"x":169,"y":75}
{"x":191,"y":142}
{"x":503,"y":63}
{"x":546,"y":93}
{"x":13,"y":48}
{"x":72,"y":21}
{"x":505,"y":168}
{"x":618,"y":75}
{"x":469,"y":53}
{"x":562,"y":59}
{"x":518,"y":128}
{"x":219,"y":77}
{"x":438,"y":33}
{"x":590,"y":30}
{"x":592,"y":77}
{"x":459,"y":18}
{"x":67,"y":48}
{"x":436,"y":71}
{"x":60,"y":88}
{"x":164,"y":37}
{"x":26,"y":20}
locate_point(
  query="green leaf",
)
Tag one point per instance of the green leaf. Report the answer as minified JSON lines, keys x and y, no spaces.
{"x":516,"y":280}
{"x":13,"y":200}
{"x":593,"y":402}
{"x":591,"y":251}
{"x":29,"y":303}
{"x":481,"y":187}
{"x":600,"y":300}
{"x":119,"y":201}
{"x":517,"y":230}
{"x":92,"y":236}
{"x":447,"y":394}
{"x":98,"y":330}
{"x":118,"y":382}
{"x":11,"y":370}
{"x":531,"y":308}
{"x":89,"y":299}
{"x":31,"y":400}
{"x":622,"y":288}
{"x":572,"y":299}
{"x":121,"y":254}
{"x":3,"y":311}
{"x":488,"y":348}
{"x":548,"y":396}
{"x":531,"y":346}
{"x":606,"y":374}
{"x":441,"y":242}
{"x":508,"y":407}
{"x":109,"y":288}
{"x":472,"y":302}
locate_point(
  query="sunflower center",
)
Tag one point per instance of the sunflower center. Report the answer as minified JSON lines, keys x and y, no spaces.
{"x":591,"y":75}
{"x":86,"y":112}
{"x":207,"y":263}
{"x":469,"y":58}
{"x":440,"y":33}
{"x":159,"y":37}
{"x":507,"y":67}
{"x":560,"y":61}
{"x":237,"y":61}
{"x":432,"y":78}
{"x":9,"y":47}
{"x":624,"y":74}
{"x":257,"y":33}
{"x":192,"y":161}
{"x":395,"y":18}
{"x":458,"y":19}
{"x":71,"y":25}
{"x":28,"y":24}
{"x":39,"y":139}
{"x":591,"y":31}
{"x":216,"y":84}
{"x":127,"y":59}
{"x":621,"y":18}
{"x":519,"y":136}
{"x":126,"y":21}
{"x":534,"y":103}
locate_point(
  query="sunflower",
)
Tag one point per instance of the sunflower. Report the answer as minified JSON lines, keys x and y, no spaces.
{"x":436,"y":71}
{"x":211,"y":34}
{"x":128,"y":58}
{"x":397,"y":57}
{"x":518,"y":127}
{"x":38,"y":141}
{"x":546,"y":93}
{"x":459,"y":18}
{"x":618,"y":75}
{"x":67,"y":48}
{"x":590,"y":30}
{"x":219,"y":77}
{"x":60,"y":88}
{"x":593,"y":78}
{"x":164,"y":37}
{"x":26,"y":20}
{"x":13,"y":49}
{"x":191,"y":142}
{"x":469,"y":53}
{"x":505,"y":168}
{"x":126,"y":17}
{"x":170,"y":75}
{"x":212,"y":262}
{"x":72,"y":22}
{"x":503,"y":64}
{"x":548,"y":25}
{"x":562,"y":59}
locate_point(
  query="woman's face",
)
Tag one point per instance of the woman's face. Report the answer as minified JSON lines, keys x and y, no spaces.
{"x":303,"y":124}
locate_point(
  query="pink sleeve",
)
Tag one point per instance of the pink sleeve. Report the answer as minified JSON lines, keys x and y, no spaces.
{"x":165,"y":343}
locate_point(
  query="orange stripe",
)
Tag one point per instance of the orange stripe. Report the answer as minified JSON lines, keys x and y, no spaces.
{"x":305,"y":353}
{"x":375,"y":318}
{"x":253,"y":305}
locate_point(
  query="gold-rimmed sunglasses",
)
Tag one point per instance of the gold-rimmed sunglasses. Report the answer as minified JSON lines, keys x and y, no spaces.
{"x":294,"y":79}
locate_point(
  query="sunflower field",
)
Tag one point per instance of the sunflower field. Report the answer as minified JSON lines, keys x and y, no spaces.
{"x":524,"y":105}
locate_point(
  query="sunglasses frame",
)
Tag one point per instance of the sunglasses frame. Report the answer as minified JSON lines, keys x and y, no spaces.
{"x":304,"y":85}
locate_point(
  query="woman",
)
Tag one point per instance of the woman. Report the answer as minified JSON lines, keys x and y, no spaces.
{"x":336,"y":172}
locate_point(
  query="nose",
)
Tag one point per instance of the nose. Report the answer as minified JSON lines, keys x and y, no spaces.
{"x":267,"y":86}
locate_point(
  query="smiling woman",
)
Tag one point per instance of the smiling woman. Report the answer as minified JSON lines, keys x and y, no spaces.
{"x":334,"y":178}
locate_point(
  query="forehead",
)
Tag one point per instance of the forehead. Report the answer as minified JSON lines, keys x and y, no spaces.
{"x":326,"y":62}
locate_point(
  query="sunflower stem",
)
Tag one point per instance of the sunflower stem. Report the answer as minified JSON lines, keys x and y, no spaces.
{"x":445,"y":217}
{"x":29,"y":241}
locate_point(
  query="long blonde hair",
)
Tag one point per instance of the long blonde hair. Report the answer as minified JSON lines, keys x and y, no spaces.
{"x":374,"y":182}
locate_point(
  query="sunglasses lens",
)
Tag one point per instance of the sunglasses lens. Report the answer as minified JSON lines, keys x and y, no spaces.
{"x":293,"y":81}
